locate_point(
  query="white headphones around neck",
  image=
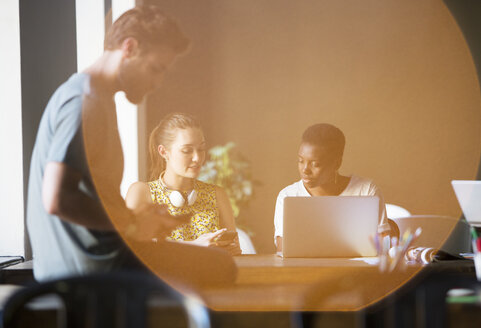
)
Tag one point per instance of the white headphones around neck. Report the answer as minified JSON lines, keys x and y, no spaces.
{"x":176,"y":198}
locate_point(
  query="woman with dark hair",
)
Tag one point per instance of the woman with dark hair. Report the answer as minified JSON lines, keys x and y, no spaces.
{"x":319,"y":159}
{"x":177,"y":149}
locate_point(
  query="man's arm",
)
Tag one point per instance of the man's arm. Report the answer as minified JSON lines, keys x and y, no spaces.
{"x":62,"y":197}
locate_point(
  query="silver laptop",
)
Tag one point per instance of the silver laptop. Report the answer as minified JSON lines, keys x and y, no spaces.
{"x":329,"y":226}
{"x":468,"y":193}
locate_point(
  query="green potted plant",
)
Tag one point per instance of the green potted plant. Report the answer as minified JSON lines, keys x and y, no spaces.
{"x":228,"y":168}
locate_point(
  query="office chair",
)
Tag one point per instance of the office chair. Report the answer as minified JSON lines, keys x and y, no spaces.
{"x":117,"y":299}
{"x":396,"y":211}
{"x":449,"y":234}
{"x":245,"y":242}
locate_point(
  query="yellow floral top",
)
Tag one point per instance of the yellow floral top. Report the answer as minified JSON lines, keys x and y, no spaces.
{"x":205,"y":215}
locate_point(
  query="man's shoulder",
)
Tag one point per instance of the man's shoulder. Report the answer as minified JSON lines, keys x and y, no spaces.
{"x":72,"y":89}
{"x":75,"y":85}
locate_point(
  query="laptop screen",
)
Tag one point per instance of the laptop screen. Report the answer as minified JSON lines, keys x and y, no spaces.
{"x":330,"y":226}
{"x":468,"y":193}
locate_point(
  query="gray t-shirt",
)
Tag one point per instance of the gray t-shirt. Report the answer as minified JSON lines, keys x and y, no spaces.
{"x":60,"y":248}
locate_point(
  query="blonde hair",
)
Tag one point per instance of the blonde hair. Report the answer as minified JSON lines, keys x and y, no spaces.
{"x":164,"y":134}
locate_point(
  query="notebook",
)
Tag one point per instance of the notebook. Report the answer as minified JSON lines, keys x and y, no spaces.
{"x":468,"y":193}
{"x":329,"y":226}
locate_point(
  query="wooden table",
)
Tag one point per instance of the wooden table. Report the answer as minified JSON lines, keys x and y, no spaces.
{"x":268,"y":289}
{"x":18,"y":274}
{"x":271,"y":283}
{"x":6,"y":261}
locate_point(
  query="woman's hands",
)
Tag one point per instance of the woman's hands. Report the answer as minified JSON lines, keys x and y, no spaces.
{"x":208,"y":239}
{"x":214,"y":239}
{"x":231,"y":244}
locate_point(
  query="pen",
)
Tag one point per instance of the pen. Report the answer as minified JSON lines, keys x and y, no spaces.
{"x":410,"y":238}
{"x":378,"y":246}
{"x":374,"y":243}
{"x":383,"y":257}
{"x":475,"y":239}
{"x":474,"y":234}
{"x":405,"y":235}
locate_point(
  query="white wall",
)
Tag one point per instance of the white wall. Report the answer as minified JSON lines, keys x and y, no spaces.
{"x":90,"y":38}
{"x":127,"y":116}
{"x":11,"y":165}
{"x":90,"y":31}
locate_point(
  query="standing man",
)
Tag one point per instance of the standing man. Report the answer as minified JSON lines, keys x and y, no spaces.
{"x":77,"y":220}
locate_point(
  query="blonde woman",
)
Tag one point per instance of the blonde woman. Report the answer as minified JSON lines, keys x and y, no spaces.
{"x":178,"y":150}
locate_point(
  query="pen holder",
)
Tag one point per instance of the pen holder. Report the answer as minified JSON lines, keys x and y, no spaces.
{"x":476,"y":242}
{"x":477,"y":265}
{"x":392,"y":252}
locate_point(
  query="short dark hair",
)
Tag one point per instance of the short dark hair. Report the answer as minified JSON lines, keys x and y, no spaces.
{"x":328,"y":137}
{"x":150,"y":26}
